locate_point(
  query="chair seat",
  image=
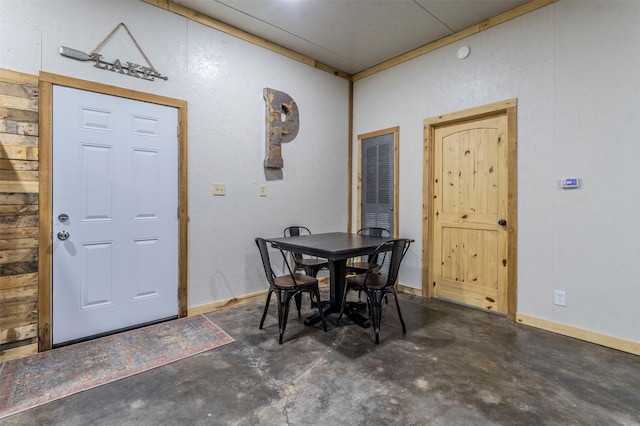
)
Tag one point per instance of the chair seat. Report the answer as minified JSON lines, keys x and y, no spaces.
{"x":374,"y":280}
{"x":301,"y":280}
{"x":361,"y":266}
{"x":312,"y":266}
{"x":312,"y":262}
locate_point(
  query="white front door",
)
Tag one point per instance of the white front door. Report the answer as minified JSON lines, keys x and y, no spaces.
{"x":115,"y":213}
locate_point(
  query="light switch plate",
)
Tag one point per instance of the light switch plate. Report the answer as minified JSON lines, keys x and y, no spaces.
{"x":560,"y":298}
{"x":219,"y":189}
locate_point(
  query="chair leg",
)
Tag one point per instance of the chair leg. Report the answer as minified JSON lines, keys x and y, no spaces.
{"x":266,"y":308}
{"x":311,"y":272}
{"x":320,"y":311}
{"x":284,"y":315}
{"x":280,"y":309}
{"x":315,"y":271}
{"x":343,"y":303}
{"x":298,"y":298}
{"x":404,"y":327}
{"x":376,"y":314}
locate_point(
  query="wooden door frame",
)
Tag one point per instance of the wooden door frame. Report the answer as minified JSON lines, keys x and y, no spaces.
{"x":45,"y":250}
{"x":510,"y":109}
{"x":396,"y":174}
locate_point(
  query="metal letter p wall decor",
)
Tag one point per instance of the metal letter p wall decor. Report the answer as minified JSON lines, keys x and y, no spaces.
{"x":282,"y":124}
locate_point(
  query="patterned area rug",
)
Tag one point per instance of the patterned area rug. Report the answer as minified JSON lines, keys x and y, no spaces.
{"x":46,"y":376}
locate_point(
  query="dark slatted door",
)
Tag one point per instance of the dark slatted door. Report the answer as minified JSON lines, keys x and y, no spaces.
{"x":377,"y":182}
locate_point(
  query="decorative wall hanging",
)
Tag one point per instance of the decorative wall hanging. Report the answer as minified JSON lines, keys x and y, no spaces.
{"x":129,"y":68}
{"x":282,"y":124}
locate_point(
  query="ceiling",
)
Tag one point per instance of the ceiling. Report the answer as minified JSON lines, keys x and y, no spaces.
{"x":351,"y":35}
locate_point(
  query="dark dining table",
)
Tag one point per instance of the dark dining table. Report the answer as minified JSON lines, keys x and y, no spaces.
{"x":336,"y":247}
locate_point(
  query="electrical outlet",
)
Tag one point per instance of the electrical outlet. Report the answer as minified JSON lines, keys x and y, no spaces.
{"x":560,"y":298}
{"x":219,"y":189}
{"x":263,"y":190}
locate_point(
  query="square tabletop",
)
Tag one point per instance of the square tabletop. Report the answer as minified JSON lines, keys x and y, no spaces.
{"x":332,"y":245}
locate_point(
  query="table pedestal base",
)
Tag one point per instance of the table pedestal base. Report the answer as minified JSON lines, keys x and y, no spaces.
{"x":352,"y":310}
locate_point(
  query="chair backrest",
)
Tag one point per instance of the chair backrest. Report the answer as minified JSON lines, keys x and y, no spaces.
{"x":375,"y":232}
{"x":266,"y":261}
{"x":294,"y":231}
{"x":396,"y":250}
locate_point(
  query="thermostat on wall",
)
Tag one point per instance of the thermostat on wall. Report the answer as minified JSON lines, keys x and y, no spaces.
{"x":570,"y":182}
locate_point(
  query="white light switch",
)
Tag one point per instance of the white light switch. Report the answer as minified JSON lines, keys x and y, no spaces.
{"x":263,"y":190}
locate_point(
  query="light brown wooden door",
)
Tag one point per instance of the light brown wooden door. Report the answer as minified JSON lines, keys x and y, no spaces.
{"x":470,"y":237}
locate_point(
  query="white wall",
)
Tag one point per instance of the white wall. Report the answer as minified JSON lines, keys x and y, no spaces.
{"x":573,"y":66}
{"x":222,"y":78}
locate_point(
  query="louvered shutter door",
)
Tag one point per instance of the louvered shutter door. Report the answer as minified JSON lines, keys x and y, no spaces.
{"x":377,"y":193}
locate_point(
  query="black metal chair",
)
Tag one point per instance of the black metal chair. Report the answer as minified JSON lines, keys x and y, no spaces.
{"x":310,"y":265}
{"x":377,"y":286}
{"x":362,"y":266}
{"x":286,"y":287}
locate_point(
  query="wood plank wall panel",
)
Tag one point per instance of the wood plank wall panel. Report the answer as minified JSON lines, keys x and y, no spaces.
{"x":18,"y":214}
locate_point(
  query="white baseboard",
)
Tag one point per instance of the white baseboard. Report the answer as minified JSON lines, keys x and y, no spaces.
{"x":580,"y":333}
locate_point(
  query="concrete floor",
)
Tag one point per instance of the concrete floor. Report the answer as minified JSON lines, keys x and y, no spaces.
{"x":456,"y":366}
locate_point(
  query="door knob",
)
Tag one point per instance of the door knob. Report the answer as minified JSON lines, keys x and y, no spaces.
{"x":502,"y":222}
{"x":63,"y":235}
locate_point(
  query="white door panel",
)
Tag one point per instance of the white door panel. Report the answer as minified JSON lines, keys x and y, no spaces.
{"x":115,"y":174}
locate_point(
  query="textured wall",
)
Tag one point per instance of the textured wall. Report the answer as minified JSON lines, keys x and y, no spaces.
{"x":573,"y":68}
{"x":222,"y":78}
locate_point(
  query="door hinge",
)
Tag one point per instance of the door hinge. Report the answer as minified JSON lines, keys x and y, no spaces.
{"x":178,"y":131}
